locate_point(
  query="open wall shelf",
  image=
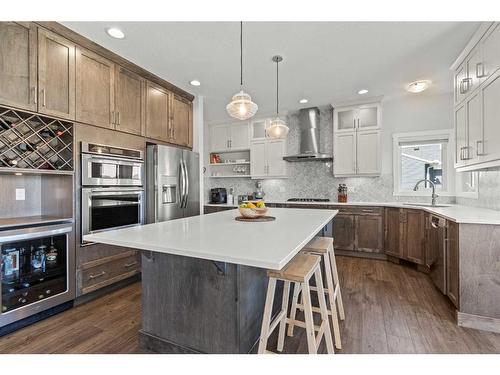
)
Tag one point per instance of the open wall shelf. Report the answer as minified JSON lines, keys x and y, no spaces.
{"x":31,"y":142}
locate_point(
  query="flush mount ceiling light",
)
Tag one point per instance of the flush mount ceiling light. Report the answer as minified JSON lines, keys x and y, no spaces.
{"x":303,"y":101}
{"x":418,"y":86}
{"x":362,"y":92}
{"x":195,"y":82}
{"x":241,"y":105}
{"x":277,"y":128}
{"x":115,"y":33}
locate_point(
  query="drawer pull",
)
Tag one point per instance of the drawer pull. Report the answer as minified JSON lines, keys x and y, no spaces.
{"x":128,"y":265}
{"x":92,"y":277}
{"x":370,"y":211}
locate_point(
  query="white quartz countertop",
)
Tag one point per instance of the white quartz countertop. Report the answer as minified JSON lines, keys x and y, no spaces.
{"x":454,"y":212}
{"x":220,"y":237}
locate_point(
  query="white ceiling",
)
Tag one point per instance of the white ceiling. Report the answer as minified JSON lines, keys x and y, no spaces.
{"x":323,"y":61}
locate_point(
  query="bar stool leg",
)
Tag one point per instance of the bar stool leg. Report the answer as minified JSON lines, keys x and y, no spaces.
{"x":308,"y":315}
{"x":284,"y":307}
{"x":293,"y":311}
{"x":324,"y":311}
{"x":266,"y":320}
{"x":336,"y":284}
{"x":331,"y":299}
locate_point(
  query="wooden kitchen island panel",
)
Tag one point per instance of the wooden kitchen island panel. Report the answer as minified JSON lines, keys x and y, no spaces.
{"x":206,"y":306}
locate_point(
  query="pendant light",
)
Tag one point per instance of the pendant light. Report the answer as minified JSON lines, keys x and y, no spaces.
{"x":241,"y":106}
{"x":277,"y":128}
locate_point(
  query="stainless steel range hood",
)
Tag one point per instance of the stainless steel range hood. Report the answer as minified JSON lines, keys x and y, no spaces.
{"x":309,"y":138}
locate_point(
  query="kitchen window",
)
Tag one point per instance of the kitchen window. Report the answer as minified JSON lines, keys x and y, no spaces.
{"x":423,"y":155}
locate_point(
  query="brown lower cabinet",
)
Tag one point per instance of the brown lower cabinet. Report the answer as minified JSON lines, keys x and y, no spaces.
{"x":452,"y":263}
{"x":212,"y":209}
{"x":405,"y":234}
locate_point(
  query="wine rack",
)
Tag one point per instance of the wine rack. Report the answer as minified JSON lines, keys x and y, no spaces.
{"x":31,"y":142}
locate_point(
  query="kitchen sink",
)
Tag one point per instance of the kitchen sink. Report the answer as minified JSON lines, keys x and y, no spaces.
{"x":426,"y":205}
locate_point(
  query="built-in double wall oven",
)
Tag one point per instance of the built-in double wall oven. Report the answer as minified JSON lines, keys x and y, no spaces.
{"x":112,"y":193}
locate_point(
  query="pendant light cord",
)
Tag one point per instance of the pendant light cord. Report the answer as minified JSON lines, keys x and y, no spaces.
{"x":277,"y":89}
{"x":241,"y":54}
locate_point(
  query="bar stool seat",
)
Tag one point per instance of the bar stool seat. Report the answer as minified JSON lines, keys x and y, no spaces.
{"x":323,"y":246}
{"x":299,"y":270}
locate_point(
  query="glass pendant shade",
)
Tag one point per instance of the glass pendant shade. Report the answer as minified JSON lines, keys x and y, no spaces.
{"x":277,"y":129}
{"x":241,"y":106}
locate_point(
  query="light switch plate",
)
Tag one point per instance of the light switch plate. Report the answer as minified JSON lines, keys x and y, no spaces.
{"x":20,"y":194}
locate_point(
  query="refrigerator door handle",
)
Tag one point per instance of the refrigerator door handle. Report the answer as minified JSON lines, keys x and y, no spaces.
{"x":181,"y":184}
{"x":186,"y":184}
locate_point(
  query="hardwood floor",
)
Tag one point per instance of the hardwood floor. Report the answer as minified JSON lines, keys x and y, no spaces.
{"x":389,"y":309}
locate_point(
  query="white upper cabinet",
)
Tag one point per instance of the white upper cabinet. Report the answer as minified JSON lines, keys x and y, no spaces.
{"x":356,"y":140}
{"x":477,"y":101}
{"x":364,"y":117}
{"x":266,"y":159}
{"x":258,"y":129}
{"x":232,"y":137}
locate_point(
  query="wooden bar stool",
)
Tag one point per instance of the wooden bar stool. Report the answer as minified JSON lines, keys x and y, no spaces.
{"x":299,"y":270}
{"x":323,"y":246}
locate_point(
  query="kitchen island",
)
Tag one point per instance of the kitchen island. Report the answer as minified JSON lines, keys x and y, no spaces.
{"x":204,"y":277}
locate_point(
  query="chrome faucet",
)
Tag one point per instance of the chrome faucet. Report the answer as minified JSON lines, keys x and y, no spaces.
{"x":434,"y":195}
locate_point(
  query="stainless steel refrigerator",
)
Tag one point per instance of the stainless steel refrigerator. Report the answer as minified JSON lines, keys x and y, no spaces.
{"x":173,"y":185}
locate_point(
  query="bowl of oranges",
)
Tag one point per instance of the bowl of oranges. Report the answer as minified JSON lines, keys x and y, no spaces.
{"x":252,"y":210}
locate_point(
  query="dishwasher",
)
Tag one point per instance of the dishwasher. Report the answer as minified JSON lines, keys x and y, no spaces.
{"x":436,"y":251}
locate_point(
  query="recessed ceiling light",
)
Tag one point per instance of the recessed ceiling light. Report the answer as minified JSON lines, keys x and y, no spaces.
{"x":362,"y":92}
{"x":115,"y":33}
{"x":418,"y":86}
{"x":303,"y":101}
{"x":195,"y":82}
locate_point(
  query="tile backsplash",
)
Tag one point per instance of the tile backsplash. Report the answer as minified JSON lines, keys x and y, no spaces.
{"x":315,"y":179}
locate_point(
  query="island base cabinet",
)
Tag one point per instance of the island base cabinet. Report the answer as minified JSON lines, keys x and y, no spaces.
{"x":192,"y":305}
{"x":452,"y":263}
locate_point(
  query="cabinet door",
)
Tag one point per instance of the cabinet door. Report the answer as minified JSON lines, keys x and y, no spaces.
{"x":344,"y":119}
{"x":94,"y":89}
{"x":240,"y":138}
{"x":275,"y":151}
{"x":459,"y":79}
{"x":368,"y":117}
{"x":461,"y":141}
{"x":452,"y":263}
{"x":474,"y":69}
{"x":415,"y":236}
{"x":258,"y":159}
{"x":56,"y":75}
{"x":157,"y":112}
{"x":18,"y":54}
{"x":129,"y":104}
{"x":344,"y":154}
{"x":491,"y":51}
{"x":343,"y":232}
{"x":219,"y":138}
{"x":182,"y":121}
{"x":392,"y":244}
{"x":258,"y":129}
{"x":368,"y":152}
{"x":369,"y":233}
{"x":474,"y":128}
{"x":491,"y":116}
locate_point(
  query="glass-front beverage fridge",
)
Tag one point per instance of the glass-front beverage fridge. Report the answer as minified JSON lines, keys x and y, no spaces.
{"x":37,"y":270}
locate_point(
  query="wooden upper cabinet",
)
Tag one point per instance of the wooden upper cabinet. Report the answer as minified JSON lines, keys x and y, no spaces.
{"x":129,"y":103}
{"x":181,"y":126}
{"x":18,"y":51}
{"x":415,"y":236}
{"x":94,"y":89}
{"x":56,"y":75}
{"x":393,"y":232}
{"x":157,"y":112}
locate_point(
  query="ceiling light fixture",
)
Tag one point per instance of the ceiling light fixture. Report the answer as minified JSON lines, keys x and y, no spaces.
{"x":418,"y":86}
{"x":115,"y":33}
{"x":363,"y":91}
{"x":303,"y":101}
{"x":241,"y":105}
{"x":278,"y":127}
{"x":195,"y":82}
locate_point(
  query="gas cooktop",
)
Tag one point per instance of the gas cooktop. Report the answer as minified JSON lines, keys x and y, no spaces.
{"x":308,"y":200}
